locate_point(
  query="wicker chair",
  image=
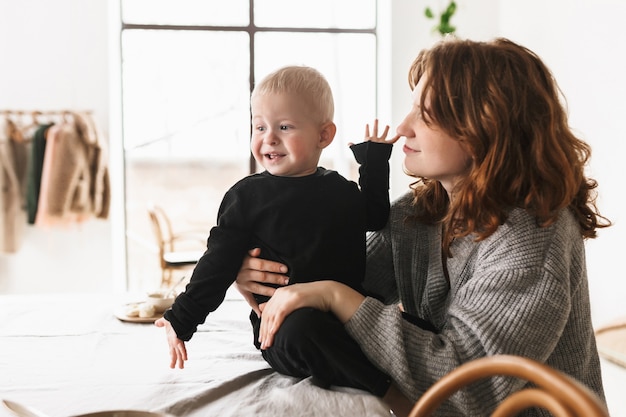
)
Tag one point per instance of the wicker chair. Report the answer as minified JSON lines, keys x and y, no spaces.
{"x":171,"y":256}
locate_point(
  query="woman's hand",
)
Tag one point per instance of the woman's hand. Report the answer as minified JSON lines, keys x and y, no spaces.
{"x":331,"y":296}
{"x":255,"y":273}
{"x":178,"y":351}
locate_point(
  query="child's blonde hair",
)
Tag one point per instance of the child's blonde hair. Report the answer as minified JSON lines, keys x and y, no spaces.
{"x":306,"y":83}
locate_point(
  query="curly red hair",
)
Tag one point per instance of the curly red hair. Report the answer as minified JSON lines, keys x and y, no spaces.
{"x":502,"y":103}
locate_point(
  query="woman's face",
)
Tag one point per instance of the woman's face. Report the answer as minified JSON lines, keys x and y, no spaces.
{"x":429,"y":151}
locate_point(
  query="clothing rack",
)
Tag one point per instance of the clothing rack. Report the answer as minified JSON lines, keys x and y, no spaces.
{"x":18,"y":117}
{"x":53,"y":171}
{"x":41,"y":112}
{"x":34,"y":114}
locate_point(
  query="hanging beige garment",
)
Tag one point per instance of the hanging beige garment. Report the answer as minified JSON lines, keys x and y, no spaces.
{"x":78,"y":183}
{"x":12,"y":168}
{"x":43,"y":217}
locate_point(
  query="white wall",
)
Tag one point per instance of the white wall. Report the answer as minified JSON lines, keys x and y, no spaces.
{"x":582,"y":42}
{"x":55,"y":56}
{"x":404,"y":32}
{"x":65,"y":64}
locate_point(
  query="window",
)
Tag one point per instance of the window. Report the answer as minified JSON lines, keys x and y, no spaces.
{"x":187,"y":71}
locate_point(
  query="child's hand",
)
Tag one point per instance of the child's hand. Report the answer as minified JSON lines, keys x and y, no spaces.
{"x":178,"y":351}
{"x":374,"y":136}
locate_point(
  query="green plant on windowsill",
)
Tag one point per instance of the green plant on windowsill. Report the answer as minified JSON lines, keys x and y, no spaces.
{"x":443,"y":27}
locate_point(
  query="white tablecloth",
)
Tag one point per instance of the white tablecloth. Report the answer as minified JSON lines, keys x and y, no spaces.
{"x":68,"y":355}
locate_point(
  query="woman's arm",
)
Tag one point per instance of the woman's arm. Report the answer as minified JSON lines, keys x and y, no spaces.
{"x":331,"y":296}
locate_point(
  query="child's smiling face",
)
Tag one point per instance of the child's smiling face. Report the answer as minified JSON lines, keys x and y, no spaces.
{"x":286,"y":140}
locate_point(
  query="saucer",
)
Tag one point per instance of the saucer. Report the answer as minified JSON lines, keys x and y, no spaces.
{"x":120,"y":313}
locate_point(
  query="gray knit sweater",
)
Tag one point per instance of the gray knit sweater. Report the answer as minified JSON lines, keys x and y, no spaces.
{"x":522,"y":291}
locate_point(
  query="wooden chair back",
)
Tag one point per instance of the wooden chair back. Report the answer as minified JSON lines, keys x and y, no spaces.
{"x":162,"y":229}
{"x":556,"y":392}
{"x":171,"y":255}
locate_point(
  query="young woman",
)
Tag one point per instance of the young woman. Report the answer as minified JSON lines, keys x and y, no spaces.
{"x":488,"y":247}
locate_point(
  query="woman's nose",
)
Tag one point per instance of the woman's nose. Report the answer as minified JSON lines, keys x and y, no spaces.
{"x":404,"y":128}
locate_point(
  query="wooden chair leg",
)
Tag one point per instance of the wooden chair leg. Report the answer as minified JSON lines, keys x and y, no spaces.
{"x":166,"y":277}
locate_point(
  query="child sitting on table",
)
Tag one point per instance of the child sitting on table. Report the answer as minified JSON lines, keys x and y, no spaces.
{"x":307,"y":217}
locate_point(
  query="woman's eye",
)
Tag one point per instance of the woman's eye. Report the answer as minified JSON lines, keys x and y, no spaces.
{"x":284,"y":127}
{"x":260,"y":128}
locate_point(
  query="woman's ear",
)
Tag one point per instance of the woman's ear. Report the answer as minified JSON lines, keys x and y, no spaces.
{"x":327,"y":134}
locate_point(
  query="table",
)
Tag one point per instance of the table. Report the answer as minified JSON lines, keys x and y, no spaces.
{"x":66,"y":354}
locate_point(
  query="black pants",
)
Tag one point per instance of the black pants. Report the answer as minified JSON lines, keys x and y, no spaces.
{"x":314,"y":343}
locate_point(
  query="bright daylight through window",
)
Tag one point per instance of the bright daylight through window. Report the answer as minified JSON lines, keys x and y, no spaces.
{"x":187,"y":71}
